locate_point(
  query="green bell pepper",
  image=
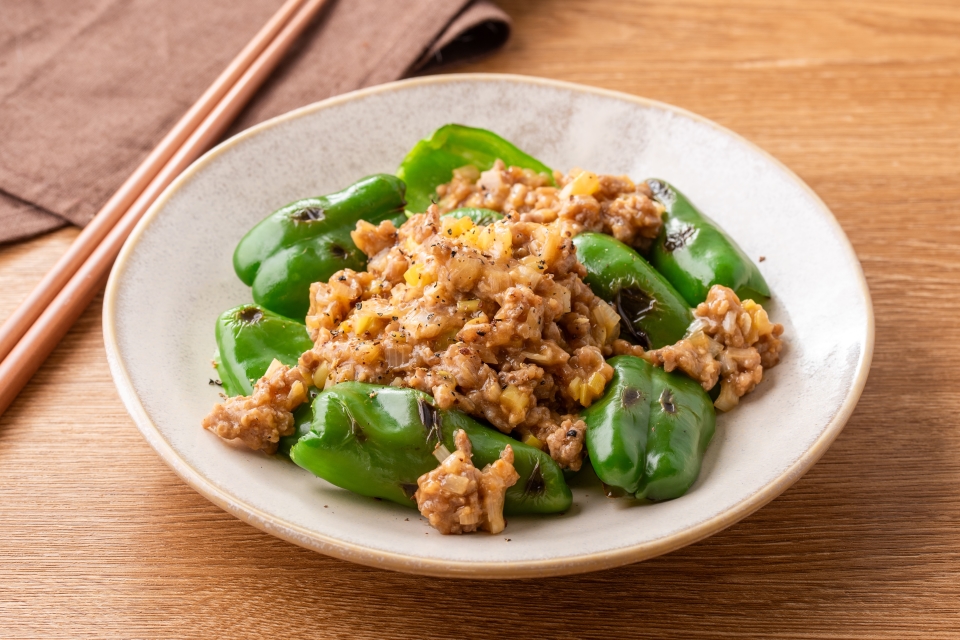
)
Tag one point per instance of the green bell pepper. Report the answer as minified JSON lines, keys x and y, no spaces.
{"x":652,"y":313}
{"x":309,"y":240}
{"x":478,"y":215}
{"x":648,"y":433}
{"x":377,"y":440}
{"x":432,"y":160}
{"x":249,"y":338}
{"x":694,"y":253}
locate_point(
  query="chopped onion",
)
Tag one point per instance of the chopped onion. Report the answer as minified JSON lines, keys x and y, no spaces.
{"x":320,"y":376}
{"x":532,"y":441}
{"x":585,"y":184}
{"x":468,"y":306}
{"x":514,"y":400}
{"x":728,"y":397}
{"x":272,"y":369}
{"x":730,"y":322}
{"x":609,"y":319}
{"x":297,"y":392}
{"x":496,"y":281}
{"x":467,"y":515}
{"x":441,"y":453}
{"x":397,"y":354}
{"x":536,"y":357}
{"x":455,"y":484}
{"x":597,"y":383}
{"x":464,"y":272}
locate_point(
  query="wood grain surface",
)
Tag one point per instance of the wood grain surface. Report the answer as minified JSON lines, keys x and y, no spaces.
{"x":862,"y":99}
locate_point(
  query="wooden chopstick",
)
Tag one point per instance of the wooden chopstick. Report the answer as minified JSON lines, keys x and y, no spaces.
{"x":53,"y":309}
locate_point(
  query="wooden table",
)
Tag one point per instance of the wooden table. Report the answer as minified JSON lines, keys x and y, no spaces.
{"x":862,"y":100}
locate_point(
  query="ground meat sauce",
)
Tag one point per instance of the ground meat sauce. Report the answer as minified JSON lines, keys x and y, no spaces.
{"x":261,"y":419}
{"x":456,"y":497}
{"x":583,"y":201}
{"x":729,"y":340}
{"x":495,"y":320}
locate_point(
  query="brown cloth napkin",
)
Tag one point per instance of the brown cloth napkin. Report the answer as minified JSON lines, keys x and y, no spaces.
{"x":89,"y":87}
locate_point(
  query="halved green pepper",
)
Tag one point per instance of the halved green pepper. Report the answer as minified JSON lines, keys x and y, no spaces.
{"x":648,"y":433}
{"x":652,"y":313}
{"x":249,"y":338}
{"x":432,"y":160}
{"x":376,"y":441}
{"x":309,"y":240}
{"x":694,"y":253}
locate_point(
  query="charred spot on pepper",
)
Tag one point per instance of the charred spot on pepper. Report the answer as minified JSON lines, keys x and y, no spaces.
{"x":357,"y":430}
{"x":634,"y":305}
{"x":338,"y":252}
{"x":430,"y":419}
{"x":666,"y":401}
{"x":630,"y":397}
{"x":250,"y":315}
{"x":308,"y":214}
{"x":536,"y":485}
{"x":678,"y":238}
{"x":662,"y":191}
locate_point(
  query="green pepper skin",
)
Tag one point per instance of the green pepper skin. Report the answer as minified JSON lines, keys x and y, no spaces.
{"x":249,"y":337}
{"x":432,"y":160}
{"x":652,"y":313}
{"x":478,"y":215}
{"x":694,"y":253}
{"x":376,"y":441}
{"x":649,"y":432}
{"x":302,"y":421}
{"x":283,"y":281}
{"x":309,"y":240}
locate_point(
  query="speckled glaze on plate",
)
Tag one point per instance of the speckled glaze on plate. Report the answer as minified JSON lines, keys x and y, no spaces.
{"x":175,"y":276}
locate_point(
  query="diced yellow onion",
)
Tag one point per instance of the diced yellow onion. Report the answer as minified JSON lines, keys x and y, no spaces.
{"x":533,"y":441}
{"x":274,"y":365}
{"x":468,"y":306}
{"x":513,"y":400}
{"x":728,"y":397}
{"x":597,"y":383}
{"x":455,"y":484}
{"x":468,"y":515}
{"x":320,"y":376}
{"x":441,"y":453}
{"x":585,"y":184}
{"x":397,"y":354}
{"x":418,"y":276}
{"x":609,"y":319}
{"x":297,"y":392}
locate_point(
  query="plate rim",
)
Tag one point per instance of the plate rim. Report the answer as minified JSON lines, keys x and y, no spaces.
{"x":369,"y":556}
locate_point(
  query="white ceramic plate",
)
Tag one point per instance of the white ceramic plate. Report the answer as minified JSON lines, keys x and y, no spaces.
{"x":174,"y":277}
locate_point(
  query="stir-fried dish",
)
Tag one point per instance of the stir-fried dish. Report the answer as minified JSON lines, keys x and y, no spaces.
{"x":463,"y":336}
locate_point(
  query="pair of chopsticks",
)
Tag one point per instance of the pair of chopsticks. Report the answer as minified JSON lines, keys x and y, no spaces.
{"x":29,"y":336}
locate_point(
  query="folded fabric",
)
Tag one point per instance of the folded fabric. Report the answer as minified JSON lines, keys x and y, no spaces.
{"x":89,"y":87}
